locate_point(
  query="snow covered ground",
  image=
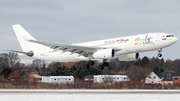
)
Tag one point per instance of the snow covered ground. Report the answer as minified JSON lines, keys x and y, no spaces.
{"x":87,"y":97}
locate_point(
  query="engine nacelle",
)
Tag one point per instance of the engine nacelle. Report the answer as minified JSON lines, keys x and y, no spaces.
{"x":103,"y":54}
{"x":30,"y":53}
{"x":129,"y":57}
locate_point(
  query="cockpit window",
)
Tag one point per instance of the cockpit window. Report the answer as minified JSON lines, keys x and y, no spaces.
{"x":170,"y":36}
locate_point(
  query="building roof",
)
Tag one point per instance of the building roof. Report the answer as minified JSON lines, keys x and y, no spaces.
{"x":58,"y":76}
{"x":110,"y":76}
{"x":152,"y":74}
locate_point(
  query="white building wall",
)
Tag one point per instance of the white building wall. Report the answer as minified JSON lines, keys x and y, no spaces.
{"x":152,"y":78}
{"x":58,"y":79}
{"x":168,"y":82}
{"x":110,"y":78}
{"x":45,"y":79}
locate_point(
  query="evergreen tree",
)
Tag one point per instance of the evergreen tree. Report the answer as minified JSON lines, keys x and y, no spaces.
{"x":157,"y":70}
{"x":6,"y":72}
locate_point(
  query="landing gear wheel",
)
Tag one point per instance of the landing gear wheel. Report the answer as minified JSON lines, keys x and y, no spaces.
{"x":105,"y":64}
{"x":91,"y":63}
{"x":87,"y":66}
{"x":159,"y":55}
{"x":102,"y":67}
{"x":99,"y":67}
{"x":160,"y":50}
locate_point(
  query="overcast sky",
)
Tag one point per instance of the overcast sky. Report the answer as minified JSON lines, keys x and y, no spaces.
{"x":74,"y":21}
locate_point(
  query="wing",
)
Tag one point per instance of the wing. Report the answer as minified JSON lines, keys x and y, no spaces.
{"x":81,"y":50}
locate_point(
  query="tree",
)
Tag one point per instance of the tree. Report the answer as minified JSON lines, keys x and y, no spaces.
{"x":3,"y":61}
{"x":6,"y":72}
{"x":33,"y":79}
{"x":135,"y":73}
{"x":13,"y":59}
{"x":15,"y":77}
{"x":9,"y":60}
{"x":169,"y":66}
{"x":117,"y":65}
{"x":108,"y":71}
{"x":177,"y":64}
{"x":157,"y":70}
{"x":79,"y":73}
{"x":38,"y":64}
{"x":144,"y":61}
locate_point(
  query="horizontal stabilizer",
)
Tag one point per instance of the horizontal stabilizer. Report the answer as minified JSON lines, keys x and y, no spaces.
{"x":30,"y":53}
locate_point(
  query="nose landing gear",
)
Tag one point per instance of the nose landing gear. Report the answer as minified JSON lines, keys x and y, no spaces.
{"x":159,"y":55}
{"x":160,"y":50}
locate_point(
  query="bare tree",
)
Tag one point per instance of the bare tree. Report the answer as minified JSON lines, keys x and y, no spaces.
{"x":38,"y":64}
{"x":9,"y":60}
{"x":13,"y":59}
{"x":3,"y":61}
{"x":53,"y":65}
{"x":135,"y":73}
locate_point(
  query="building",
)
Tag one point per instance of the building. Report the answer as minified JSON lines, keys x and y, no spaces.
{"x":176,"y":79}
{"x":57,"y":79}
{"x":110,"y":78}
{"x":152,"y":78}
{"x":171,"y":77}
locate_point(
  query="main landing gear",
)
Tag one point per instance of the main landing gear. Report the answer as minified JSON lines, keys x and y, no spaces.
{"x":160,"y":50}
{"x":104,"y":63}
{"x":101,"y":67}
{"x":90,"y":63}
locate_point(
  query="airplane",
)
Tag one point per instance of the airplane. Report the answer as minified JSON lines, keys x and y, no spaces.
{"x":122,"y":48}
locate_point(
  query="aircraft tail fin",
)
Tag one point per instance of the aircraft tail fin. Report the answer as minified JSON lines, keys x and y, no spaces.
{"x":23,"y":37}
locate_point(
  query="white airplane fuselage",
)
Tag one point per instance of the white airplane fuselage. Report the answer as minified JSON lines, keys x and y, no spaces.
{"x":123,"y":46}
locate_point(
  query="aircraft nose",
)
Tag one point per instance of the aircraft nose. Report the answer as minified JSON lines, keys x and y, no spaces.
{"x":176,"y":39}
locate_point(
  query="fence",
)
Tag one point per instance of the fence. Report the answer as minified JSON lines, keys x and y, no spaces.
{"x":86,"y":86}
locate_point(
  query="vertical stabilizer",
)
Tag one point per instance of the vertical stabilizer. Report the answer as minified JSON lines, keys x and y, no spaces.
{"x":23,"y":36}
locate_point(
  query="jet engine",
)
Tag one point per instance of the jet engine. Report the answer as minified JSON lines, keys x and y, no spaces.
{"x":30,"y":53}
{"x":129,"y":57}
{"x":103,"y":54}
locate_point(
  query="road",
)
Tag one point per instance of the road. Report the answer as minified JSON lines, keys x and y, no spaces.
{"x":90,"y":91}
